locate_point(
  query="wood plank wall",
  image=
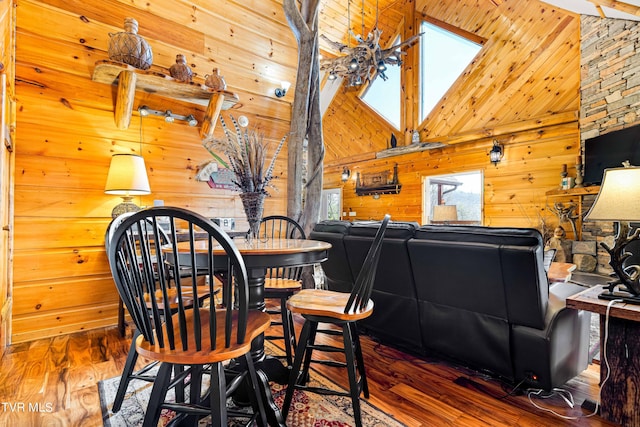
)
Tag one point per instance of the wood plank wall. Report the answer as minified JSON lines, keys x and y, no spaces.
{"x":7,"y":122}
{"x":522,"y":90}
{"x":66,"y":136}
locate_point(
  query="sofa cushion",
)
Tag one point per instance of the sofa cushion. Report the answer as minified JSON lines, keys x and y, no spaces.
{"x":509,"y":279}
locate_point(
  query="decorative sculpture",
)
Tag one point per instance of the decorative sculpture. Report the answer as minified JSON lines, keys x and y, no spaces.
{"x":628,"y":276}
{"x":181,"y":70}
{"x":566,"y":213}
{"x":560,"y":244}
{"x":365,"y":61}
{"x":130,"y":48}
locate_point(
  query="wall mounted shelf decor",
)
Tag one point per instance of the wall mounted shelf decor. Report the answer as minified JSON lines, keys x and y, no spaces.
{"x":378,"y":183}
{"x":130,"y":79}
{"x":406,"y":149}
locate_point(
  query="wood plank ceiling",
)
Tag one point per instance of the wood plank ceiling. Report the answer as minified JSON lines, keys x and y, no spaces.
{"x":520,"y":74}
{"x":334,"y":17}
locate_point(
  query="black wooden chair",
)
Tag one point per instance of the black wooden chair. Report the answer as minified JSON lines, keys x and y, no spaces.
{"x":343,"y":310}
{"x":282,"y":283}
{"x":128,"y":372}
{"x":187,"y":339}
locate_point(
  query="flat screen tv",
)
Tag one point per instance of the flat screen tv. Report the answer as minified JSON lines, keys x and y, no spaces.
{"x":609,"y":151}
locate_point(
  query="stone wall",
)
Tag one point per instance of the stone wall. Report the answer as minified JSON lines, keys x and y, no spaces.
{"x":609,"y":75}
{"x":609,"y":97}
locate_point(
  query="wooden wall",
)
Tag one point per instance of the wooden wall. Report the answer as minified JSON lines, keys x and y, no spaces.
{"x":7,"y":122}
{"x":66,"y":136}
{"x":522,"y":90}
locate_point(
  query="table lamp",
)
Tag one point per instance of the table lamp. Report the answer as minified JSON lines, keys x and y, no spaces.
{"x":619,"y":201}
{"x":127,"y":178}
{"x":444,"y":214}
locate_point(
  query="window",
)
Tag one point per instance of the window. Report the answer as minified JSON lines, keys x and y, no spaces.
{"x":453,"y":198}
{"x":384,"y":95}
{"x":331,"y":203}
{"x":443,"y":57}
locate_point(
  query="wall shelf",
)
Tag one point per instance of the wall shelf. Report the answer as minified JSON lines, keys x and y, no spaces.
{"x":579,"y":191}
{"x":378,"y":183}
{"x":129,"y":79}
{"x":406,"y":149}
{"x":380,"y":189}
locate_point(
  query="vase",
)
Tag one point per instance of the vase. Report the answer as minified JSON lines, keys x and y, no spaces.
{"x":181,"y":70}
{"x":130,"y":48}
{"x":253,"y":204}
{"x":215,"y":81}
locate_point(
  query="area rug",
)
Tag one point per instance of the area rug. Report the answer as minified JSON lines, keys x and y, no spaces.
{"x":307,"y":409}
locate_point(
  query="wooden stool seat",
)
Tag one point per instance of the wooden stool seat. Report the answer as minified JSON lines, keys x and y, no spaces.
{"x":323,"y":303}
{"x":257,"y":323}
{"x":276,"y":284}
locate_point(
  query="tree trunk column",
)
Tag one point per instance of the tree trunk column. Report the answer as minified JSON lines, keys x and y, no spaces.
{"x":621,"y":391}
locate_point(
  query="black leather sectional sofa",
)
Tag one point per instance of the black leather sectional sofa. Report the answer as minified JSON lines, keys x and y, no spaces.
{"x":478,"y":295}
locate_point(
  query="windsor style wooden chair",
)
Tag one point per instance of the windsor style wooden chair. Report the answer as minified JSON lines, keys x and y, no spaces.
{"x":189,"y":340}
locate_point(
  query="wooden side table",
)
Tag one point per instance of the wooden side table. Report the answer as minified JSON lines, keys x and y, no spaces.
{"x":560,"y":271}
{"x":620,"y":392}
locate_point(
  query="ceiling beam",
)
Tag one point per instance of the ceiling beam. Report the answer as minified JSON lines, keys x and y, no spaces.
{"x":617,"y":5}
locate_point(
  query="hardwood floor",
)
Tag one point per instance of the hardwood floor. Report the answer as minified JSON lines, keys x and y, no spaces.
{"x":53,"y":382}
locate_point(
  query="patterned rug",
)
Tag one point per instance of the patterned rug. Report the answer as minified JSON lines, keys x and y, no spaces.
{"x":307,"y":409}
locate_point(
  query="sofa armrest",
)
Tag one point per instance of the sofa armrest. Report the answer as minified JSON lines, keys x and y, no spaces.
{"x":558,"y":294}
{"x":558,"y":352}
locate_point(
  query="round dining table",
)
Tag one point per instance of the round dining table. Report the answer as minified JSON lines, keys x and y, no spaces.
{"x":258,"y":255}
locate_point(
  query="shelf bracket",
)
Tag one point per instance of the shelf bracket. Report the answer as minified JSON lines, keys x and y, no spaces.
{"x":211,"y":115}
{"x":124,"y":98}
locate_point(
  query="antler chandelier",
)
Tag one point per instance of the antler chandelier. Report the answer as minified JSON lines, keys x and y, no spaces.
{"x":366,"y":60}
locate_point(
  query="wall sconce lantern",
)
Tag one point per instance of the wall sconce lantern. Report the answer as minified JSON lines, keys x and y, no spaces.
{"x":496,"y":153}
{"x":282,"y":90}
{"x":346,"y":173}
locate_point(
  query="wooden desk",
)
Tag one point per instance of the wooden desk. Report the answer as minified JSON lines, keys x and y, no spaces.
{"x":560,"y":271}
{"x":621,"y":391}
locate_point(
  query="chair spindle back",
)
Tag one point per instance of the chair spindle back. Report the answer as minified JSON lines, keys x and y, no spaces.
{"x":137,"y":257}
{"x":363,"y":287}
{"x":281,"y":227}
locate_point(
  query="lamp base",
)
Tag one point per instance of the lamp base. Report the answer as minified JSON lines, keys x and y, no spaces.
{"x":124,"y":207}
{"x":623,"y":295}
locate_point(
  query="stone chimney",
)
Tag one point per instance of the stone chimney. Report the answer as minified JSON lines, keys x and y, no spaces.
{"x":609,"y":97}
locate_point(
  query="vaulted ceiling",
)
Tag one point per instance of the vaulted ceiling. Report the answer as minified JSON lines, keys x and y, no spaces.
{"x":338,"y":16}
{"x":527,"y":69}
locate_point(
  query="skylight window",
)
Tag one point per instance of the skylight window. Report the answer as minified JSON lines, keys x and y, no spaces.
{"x":384,"y":95}
{"x":443,"y":57}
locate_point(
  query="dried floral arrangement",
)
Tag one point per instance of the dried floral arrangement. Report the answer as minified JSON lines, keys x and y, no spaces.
{"x":246,"y":153}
